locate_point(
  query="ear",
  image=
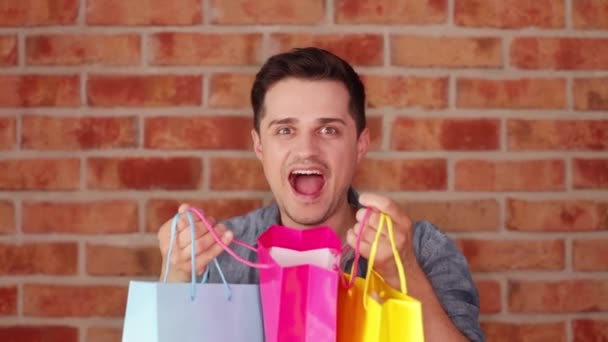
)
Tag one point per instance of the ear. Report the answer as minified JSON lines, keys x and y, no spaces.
{"x":257,"y":143}
{"x":362,"y":145}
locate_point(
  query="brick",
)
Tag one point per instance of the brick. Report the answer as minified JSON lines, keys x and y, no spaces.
{"x":510,"y":13}
{"x":77,"y":49}
{"x":105,"y":260}
{"x":39,"y":12}
{"x":402,"y":174}
{"x":46,"y":333}
{"x":182,"y":48}
{"x":358,"y":49}
{"x":590,"y":255}
{"x":590,"y":173}
{"x":77,"y":133}
{"x":590,"y":14}
{"x":524,"y":332}
{"x":460,"y":215}
{"x":8,"y":50}
{"x":591,"y":93}
{"x":557,"y":296}
{"x":513,"y":255}
{"x":589,"y":330}
{"x":445,"y":134}
{"x":288,"y":12}
{"x":556,"y":216}
{"x":104,"y":334}
{"x":198,"y":132}
{"x":158,"y":211}
{"x":446,"y":51}
{"x":144,"y":12}
{"x":41,"y":300}
{"x":8,"y":133}
{"x":391,"y":12}
{"x":175,"y":173}
{"x":230,"y":90}
{"x":8,"y":300}
{"x":375,"y":126}
{"x":60,"y":258}
{"x":510,"y":175}
{"x":39,"y":174}
{"x":237,"y":174}
{"x":557,"y":134}
{"x":559,"y":53}
{"x":7,"y":217}
{"x":144,"y":90}
{"x":512,"y":94}
{"x":39,"y":91}
{"x":98,"y":217}
{"x":406,"y":91}
{"x":489,"y":296}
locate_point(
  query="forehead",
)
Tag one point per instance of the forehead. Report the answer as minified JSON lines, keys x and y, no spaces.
{"x":306,"y":99}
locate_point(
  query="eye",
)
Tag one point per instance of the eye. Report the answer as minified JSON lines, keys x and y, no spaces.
{"x":284,"y":131}
{"x":328,"y":130}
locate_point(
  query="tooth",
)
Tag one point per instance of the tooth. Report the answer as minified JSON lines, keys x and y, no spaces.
{"x":307,"y":172}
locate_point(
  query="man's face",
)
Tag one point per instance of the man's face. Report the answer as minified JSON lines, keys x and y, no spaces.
{"x":309,"y":148}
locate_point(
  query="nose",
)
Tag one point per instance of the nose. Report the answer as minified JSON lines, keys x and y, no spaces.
{"x":306,"y":146}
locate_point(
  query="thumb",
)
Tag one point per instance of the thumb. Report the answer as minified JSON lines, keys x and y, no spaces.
{"x":183,"y":208}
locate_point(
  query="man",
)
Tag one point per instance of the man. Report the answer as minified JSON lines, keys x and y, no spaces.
{"x":310,"y":135}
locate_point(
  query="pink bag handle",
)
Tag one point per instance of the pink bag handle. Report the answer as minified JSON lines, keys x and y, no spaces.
{"x":217,"y":239}
{"x":355,"y":265}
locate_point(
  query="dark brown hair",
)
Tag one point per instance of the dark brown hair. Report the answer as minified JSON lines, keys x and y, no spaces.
{"x":309,"y":63}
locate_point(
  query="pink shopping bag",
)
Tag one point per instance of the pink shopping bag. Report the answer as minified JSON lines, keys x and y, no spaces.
{"x":299,"y":294}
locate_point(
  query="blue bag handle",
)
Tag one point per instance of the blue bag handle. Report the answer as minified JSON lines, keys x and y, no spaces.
{"x":193,"y":265}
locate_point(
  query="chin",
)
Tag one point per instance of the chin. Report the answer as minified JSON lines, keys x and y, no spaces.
{"x":312,"y":213}
{"x":311,"y":221}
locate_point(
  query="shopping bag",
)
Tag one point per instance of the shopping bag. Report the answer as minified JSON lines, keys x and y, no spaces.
{"x":371,"y":310}
{"x":299,"y":294}
{"x":189,"y":312}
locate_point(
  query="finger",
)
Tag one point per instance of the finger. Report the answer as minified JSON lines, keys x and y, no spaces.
{"x":211,"y":221}
{"x":184,"y":221}
{"x":373,"y":218}
{"x":364,"y":246}
{"x":383,"y":250}
{"x":183,"y":208}
{"x":386,"y":205}
{"x":202,"y":244}
{"x":184,"y":238}
{"x":205,"y":258}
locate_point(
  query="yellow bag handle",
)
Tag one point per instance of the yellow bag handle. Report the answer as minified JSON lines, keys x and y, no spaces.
{"x":372,"y":256}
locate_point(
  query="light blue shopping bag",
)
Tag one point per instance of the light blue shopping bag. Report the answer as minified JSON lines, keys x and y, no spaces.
{"x":189,"y":312}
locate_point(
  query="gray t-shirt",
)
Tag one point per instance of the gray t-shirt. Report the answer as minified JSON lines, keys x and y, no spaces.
{"x":439,"y":257}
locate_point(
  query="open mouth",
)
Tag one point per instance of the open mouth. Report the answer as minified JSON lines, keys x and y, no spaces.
{"x":307,"y":182}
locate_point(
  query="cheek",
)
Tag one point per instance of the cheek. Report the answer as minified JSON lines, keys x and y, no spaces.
{"x":343,"y":158}
{"x":273,"y":158}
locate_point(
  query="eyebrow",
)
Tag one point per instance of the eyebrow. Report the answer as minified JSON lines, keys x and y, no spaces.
{"x":282,"y":121}
{"x":291,"y":120}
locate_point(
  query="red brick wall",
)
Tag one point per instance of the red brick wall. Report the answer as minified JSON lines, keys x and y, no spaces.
{"x":488,"y":118}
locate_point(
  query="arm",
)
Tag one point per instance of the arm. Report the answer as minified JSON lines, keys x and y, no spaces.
{"x":444,"y":286}
{"x":438,"y":277}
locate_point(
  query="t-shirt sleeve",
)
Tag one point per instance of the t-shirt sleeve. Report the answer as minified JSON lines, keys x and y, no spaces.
{"x":448,"y":271}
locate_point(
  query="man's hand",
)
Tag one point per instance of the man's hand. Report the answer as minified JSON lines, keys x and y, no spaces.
{"x":205,"y":246}
{"x":437,"y":325}
{"x":384,"y":262}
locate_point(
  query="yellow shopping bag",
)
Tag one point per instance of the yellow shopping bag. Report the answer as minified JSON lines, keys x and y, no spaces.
{"x":371,"y":310}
